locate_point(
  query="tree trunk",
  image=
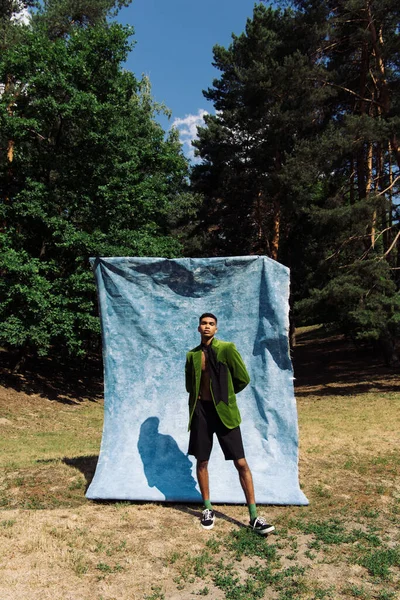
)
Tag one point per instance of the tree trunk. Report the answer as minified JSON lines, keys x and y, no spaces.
{"x":276,"y":225}
{"x":388,"y":350}
{"x":10,"y":144}
{"x":292,"y":327}
{"x":10,"y":151}
{"x":368,"y":186}
{"x":20,"y":360}
{"x":362,"y":110}
{"x":377,"y":44}
{"x":395,"y":148}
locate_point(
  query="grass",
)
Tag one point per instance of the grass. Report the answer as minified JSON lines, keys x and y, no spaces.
{"x":156,"y":595}
{"x":59,"y":429}
{"x":345,"y":545}
{"x":380,"y":563}
{"x":47,"y":459}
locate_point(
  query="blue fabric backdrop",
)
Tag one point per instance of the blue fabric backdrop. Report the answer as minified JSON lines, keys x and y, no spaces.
{"x":149,"y":314}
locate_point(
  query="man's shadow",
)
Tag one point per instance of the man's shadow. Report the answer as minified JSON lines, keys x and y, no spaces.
{"x":220,"y":515}
{"x":165,"y":466}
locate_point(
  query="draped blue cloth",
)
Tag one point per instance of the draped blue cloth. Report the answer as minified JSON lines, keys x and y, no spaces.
{"x":149,"y":311}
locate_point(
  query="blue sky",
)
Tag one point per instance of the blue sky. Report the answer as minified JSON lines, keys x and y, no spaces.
{"x":174,"y":41}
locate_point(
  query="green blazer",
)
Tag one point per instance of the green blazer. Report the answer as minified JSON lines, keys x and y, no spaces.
{"x":228,"y":377}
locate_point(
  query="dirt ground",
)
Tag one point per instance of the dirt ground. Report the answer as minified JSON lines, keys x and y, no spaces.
{"x":54,"y":544}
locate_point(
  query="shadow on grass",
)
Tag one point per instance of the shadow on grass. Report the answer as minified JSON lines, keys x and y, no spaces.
{"x":85,"y":464}
{"x":332,"y":365}
{"x":51,"y":379}
{"x":197,"y":513}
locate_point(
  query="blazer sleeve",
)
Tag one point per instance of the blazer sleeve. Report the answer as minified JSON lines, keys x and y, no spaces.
{"x":239,"y":374}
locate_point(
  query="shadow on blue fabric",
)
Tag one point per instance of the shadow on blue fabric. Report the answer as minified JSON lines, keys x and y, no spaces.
{"x":187,"y":278}
{"x":165,"y":466}
{"x":149,"y":309}
{"x":271,"y":340}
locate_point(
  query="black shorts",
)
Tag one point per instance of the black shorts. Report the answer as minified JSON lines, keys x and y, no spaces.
{"x":205,"y":423}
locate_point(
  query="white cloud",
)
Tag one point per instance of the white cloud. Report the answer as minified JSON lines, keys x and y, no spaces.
{"x":22,"y":16}
{"x":187,"y":128}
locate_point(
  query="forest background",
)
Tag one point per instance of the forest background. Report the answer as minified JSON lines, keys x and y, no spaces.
{"x":301,"y":162}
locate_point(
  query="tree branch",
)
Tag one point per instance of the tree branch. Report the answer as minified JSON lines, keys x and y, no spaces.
{"x":345,"y":89}
{"x":350,"y":239}
{"x":390,"y":247}
{"x":39,"y":135}
{"x":389,"y":187}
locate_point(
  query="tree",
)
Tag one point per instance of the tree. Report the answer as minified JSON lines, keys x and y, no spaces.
{"x":60,"y":17}
{"x":353,"y":167}
{"x":262,"y":108}
{"x":301,"y":160}
{"x":92,"y":173}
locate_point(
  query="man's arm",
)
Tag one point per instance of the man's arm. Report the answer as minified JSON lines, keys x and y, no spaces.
{"x":240,"y":376}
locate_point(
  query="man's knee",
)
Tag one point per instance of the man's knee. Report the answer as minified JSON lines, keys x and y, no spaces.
{"x":241,"y":465}
{"x":202,"y":465}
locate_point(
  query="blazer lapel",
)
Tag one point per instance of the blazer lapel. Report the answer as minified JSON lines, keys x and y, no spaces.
{"x":197,"y":369}
{"x":197,"y":363}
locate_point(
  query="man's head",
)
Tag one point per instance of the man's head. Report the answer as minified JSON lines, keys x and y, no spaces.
{"x":207,"y":326}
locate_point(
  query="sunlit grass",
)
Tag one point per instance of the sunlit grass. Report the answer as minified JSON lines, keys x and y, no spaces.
{"x":349,"y":465}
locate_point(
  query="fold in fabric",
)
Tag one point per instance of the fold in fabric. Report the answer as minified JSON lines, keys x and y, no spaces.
{"x":149,"y":309}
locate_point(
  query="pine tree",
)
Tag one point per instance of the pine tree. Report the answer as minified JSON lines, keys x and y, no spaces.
{"x":301,"y":160}
{"x":353,"y":165}
{"x":262,"y":107}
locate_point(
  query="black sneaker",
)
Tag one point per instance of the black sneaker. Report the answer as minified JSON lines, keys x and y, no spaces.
{"x":207,"y":519}
{"x":260,"y":525}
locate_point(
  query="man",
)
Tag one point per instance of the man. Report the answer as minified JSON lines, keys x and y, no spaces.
{"x":215,"y":372}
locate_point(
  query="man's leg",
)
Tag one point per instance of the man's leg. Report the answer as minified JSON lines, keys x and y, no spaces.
{"x":200,"y":445}
{"x":202,"y":478}
{"x":231,"y":443}
{"x":207,"y":517}
{"x":246,"y":481}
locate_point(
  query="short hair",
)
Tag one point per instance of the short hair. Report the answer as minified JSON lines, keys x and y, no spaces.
{"x":208,"y":315}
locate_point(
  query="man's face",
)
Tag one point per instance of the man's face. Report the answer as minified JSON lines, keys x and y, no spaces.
{"x":207,"y":327}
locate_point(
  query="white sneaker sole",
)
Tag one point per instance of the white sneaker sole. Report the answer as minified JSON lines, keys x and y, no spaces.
{"x":263,"y":531}
{"x":207,"y":526}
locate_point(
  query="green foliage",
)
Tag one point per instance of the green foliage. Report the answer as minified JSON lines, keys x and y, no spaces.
{"x":91,"y":174}
{"x":263,"y":108}
{"x":8,"y":523}
{"x":349,"y":171}
{"x":302,"y":161}
{"x":379,"y":562}
{"x":386,"y":595}
{"x":355,"y":591}
{"x":200,"y":564}
{"x":8,"y":8}
{"x":108,"y":569}
{"x":213,"y":545}
{"x":323,"y":593}
{"x":157,"y":594}
{"x":328,"y":532}
{"x":245,"y":543}
{"x":60,"y":17}
{"x":363,"y":300}
{"x":204,"y":591}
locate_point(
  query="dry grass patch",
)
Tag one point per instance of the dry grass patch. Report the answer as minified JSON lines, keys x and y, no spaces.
{"x":345,"y":545}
